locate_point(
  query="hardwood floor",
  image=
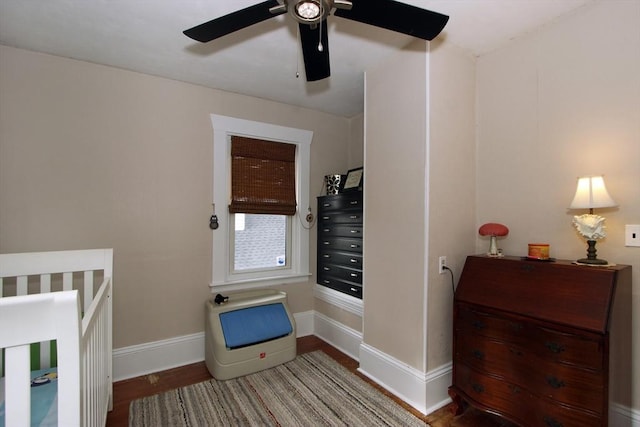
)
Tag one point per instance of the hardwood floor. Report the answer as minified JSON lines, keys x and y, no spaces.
{"x":147,"y":385}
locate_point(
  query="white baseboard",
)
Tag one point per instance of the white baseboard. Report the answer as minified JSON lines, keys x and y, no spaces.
{"x":424,"y":391}
{"x":147,"y":358}
{"x":623,"y":416}
{"x":143,"y":359}
{"x":343,"y":338}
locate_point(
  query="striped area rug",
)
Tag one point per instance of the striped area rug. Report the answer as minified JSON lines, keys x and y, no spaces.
{"x":311,"y":390}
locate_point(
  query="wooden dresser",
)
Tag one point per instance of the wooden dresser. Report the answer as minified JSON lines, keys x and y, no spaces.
{"x":340,"y":242}
{"x":532,"y":339}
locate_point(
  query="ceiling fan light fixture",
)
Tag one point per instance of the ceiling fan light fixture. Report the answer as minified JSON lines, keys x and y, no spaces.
{"x":308,"y":10}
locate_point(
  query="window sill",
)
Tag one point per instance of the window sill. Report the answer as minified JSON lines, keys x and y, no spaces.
{"x":240,"y":285}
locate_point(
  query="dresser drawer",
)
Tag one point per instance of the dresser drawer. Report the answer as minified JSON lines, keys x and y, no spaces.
{"x":344,"y":273}
{"x":341,"y":244}
{"x":583,"y":350}
{"x":354,"y":217}
{"x":341,"y":202}
{"x":343,"y":258}
{"x":349,"y":288}
{"x":520,"y":365}
{"x":505,"y":398}
{"x":330,"y":230}
{"x":519,"y":404}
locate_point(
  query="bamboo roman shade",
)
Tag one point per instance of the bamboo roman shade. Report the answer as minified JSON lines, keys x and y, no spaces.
{"x":263,"y":177}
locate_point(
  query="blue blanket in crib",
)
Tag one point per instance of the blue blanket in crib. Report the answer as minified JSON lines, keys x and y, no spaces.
{"x":44,"y":398}
{"x":253,"y":325}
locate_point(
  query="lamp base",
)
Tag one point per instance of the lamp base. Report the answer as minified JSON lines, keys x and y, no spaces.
{"x":596,"y":261}
{"x":591,"y":255}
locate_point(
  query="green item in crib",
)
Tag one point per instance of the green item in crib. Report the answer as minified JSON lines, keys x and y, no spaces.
{"x":35,"y":355}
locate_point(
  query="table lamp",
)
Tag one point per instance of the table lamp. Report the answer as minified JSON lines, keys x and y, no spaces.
{"x":590,"y":194}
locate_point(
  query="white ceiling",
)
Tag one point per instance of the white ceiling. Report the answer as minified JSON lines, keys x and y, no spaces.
{"x":260,"y":61}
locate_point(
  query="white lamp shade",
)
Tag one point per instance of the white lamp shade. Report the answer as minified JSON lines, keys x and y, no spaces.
{"x":592,"y":193}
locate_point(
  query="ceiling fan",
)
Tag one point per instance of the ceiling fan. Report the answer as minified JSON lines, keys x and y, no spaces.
{"x":311,"y":16}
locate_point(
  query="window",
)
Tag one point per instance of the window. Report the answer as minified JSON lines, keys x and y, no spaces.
{"x":251,"y":249}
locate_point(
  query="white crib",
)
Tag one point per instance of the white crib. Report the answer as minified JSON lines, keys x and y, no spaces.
{"x":40,"y":301}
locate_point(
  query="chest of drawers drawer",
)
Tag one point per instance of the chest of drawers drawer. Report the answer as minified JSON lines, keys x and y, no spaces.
{"x":583,"y":350}
{"x":352,"y":259}
{"x":332,"y":230}
{"x":351,"y":217}
{"x":540,"y":376}
{"x":521,"y":406}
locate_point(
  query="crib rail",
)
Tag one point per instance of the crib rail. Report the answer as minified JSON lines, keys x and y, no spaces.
{"x":55,"y":315}
{"x":32,"y":276}
{"x":97,"y":387}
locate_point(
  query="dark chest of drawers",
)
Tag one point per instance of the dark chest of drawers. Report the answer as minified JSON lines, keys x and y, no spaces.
{"x":340,"y":242}
{"x":531,"y":339}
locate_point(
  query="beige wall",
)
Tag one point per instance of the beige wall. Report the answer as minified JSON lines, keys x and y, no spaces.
{"x":452,"y":186}
{"x":419,"y":198}
{"x":93,"y":156}
{"x":561,"y":103}
{"x":394,"y":218}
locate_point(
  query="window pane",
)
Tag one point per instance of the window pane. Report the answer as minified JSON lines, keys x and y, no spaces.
{"x":260,"y":242}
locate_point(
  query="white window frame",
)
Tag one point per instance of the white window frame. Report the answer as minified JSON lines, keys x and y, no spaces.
{"x":223,"y":279}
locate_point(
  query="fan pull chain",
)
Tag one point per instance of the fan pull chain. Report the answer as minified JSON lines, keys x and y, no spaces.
{"x":320,"y":47}
{"x":298,"y":54}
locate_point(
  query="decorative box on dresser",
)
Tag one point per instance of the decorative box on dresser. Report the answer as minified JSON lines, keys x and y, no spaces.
{"x":536,"y":342}
{"x":340,"y":242}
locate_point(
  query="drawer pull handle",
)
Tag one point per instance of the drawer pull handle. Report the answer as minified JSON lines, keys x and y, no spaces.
{"x":353,"y":202}
{"x":354,"y":274}
{"x":353,"y":290}
{"x":478,"y":354}
{"x":354,"y":246}
{"x":326,"y":218}
{"x":326,"y":256}
{"x":552,"y":422}
{"x":326,"y":243}
{"x":326,"y":268}
{"x":353,"y":261}
{"x":478,"y":388}
{"x":354,"y":231}
{"x":555,"y":382}
{"x":554,"y":347}
{"x":478,"y":324}
{"x":353,"y":217}
{"x":516,"y":352}
{"x":326,"y":205}
{"x":326,"y":281}
{"x":326,"y":230}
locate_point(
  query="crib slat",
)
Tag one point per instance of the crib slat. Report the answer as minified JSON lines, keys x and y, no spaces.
{"x":22,"y":287}
{"x":45,"y":283}
{"x":67,"y":281}
{"x":88,"y":290}
{"x":18,"y":402}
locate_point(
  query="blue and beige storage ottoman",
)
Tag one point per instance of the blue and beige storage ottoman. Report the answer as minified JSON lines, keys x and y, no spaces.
{"x":248,"y":332}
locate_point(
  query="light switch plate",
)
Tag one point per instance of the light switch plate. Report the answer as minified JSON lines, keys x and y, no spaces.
{"x":632,"y":235}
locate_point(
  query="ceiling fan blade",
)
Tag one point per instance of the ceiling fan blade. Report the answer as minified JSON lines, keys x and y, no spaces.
{"x":316,"y":62}
{"x":233,"y":22}
{"x":396,"y":16}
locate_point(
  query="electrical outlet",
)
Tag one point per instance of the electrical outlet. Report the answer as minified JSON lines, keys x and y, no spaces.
{"x":442,"y":261}
{"x":632,"y":235}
